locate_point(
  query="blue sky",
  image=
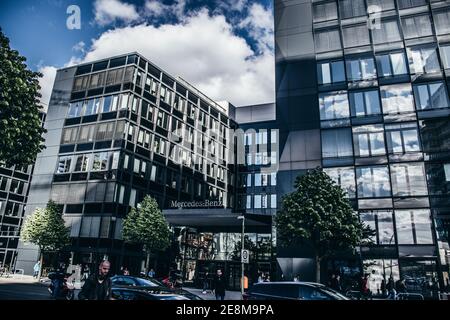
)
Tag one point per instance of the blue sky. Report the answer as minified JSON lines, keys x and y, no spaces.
{"x":222,"y":46}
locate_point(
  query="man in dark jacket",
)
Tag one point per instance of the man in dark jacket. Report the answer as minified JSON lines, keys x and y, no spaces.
{"x":220,"y":285}
{"x":98,"y":285}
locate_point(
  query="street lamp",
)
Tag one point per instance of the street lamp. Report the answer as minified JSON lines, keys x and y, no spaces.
{"x":242,"y":250}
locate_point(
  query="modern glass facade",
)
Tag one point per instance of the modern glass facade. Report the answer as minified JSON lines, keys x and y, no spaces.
{"x":378,"y":106}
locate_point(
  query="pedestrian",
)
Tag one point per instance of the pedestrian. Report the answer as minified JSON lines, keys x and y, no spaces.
{"x":151,"y":273}
{"x":36,"y":269}
{"x":392,"y":293}
{"x":365,"y":292}
{"x":297,"y":278}
{"x":336,"y":282}
{"x":126,"y":272}
{"x":205,"y":283}
{"x":98,"y":285}
{"x":219,"y":285}
{"x":383,"y":288}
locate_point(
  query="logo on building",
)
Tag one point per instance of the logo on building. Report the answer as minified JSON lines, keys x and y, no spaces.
{"x":196,"y":204}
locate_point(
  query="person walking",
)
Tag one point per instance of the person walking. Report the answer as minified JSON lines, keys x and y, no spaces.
{"x":36,"y":269}
{"x":205,"y":283}
{"x":219,"y":285}
{"x":98,"y":285}
{"x":392,"y":293}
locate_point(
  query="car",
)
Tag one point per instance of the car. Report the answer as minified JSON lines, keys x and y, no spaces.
{"x":136,"y":294}
{"x":287,"y":290}
{"x":149,"y":285}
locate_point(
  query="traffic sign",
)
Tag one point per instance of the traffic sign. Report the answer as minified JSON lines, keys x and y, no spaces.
{"x":244,"y":256}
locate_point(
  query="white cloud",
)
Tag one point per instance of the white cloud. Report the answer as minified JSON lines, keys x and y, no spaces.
{"x":202,"y":50}
{"x":260,"y":26}
{"x":46,"y":83}
{"x":155,"y":8}
{"x":79,"y":47}
{"x":110,"y":11}
{"x":234,"y":5}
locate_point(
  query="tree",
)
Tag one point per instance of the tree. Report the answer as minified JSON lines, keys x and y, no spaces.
{"x":45,"y":228}
{"x":146,"y":225}
{"x":20,"y":123}
{"x":318,"y":214}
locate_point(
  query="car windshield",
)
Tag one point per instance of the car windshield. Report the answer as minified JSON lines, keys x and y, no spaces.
{"x":333,"y":293}
{"x":148,"y":283}
{"x":170,"y":297}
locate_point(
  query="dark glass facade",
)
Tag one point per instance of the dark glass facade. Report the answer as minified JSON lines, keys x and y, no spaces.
{"x":373,"y":92}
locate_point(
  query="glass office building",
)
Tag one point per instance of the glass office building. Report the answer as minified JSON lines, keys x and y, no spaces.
{"x":363,"y":91}
{"x":122,"y":128}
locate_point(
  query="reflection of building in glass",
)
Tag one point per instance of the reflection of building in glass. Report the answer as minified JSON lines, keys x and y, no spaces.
{"x":371,"y":107}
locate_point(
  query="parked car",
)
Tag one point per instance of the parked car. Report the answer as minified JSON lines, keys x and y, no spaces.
{"x":136,"y":294}
{"x":292,"y":291}
{"x":150,"y":285}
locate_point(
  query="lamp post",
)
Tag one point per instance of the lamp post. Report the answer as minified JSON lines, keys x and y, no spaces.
{"x":242,"y":249}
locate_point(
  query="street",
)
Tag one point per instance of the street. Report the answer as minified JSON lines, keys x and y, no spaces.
{"x":22,"y":289}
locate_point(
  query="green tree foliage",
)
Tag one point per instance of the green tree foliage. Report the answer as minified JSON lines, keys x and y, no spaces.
{"x":20,"y":124}
{"x":45,"y":228}
{"x":318,"y":214}
{"x":147,"y":226}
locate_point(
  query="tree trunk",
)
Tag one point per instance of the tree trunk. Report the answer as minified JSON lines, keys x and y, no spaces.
{"x":318,"y":259}
{"x":41,"y":259}
{"x":147,"y":263}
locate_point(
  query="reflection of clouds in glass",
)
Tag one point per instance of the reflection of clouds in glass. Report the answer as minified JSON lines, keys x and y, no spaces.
{"x":397,"y":98}
{"x":345,"y":178}
{"x":373,"y":182}
{"x":334,"y":106}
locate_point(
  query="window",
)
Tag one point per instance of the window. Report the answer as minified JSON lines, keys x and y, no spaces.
{"x":100,"y":162}
{"x":327,"y":40}
{"x":397,"y":99}
{"x":355,"y":36}
{"x":129,"y":74}
{"x":373,"y":182}
{"x":134,"y":103}
{"x":82,"y":163}
{"x":333,"y":106}
{"x":345,"y":178}
{"x":80,"y":83}
{"x":131,"y":132}
{"x":120,"y":193}
{"x":382,"y":4}
{"x":413,"y":226}
{"x":447,"y":172}
{"x":257,"y":201}
{"x":337,"y":143}
{"x":423,"y":60}
{"x":3,"y":183}
{"x":364,"y":103}
{"x":159,"y":145}
{"x":417,"y":26}
{"x":86,"y":133}
{"x":92,"y":106}
{"x":191,"y":110}
{"x":166,"y":95}
{"x":392,"y":64}
{"x":105,"y":131}
{"x":257,"y":179}
{"x":110,"y":103}
{"x":124,"y":101}
{"x":143,"y":139}
{"x":132,"y":201}
{"x":441,"y":19}
{"x":325,"y":11}
{"x":114,"y":77}
{"x":369,"y":141}
{"x":403,"y":4}
{"x":17,"y":186}
{"x":249,"y":180}
{"x":261,"y":137}
{"x":408,"y":179}
{"x":97,"y":80}
{"x":64,"y":165}
{"x":361,"y":69}
{"x":273,"y":201}
{"x":248,"y":204}
{"x":264,"y":179}
{"x":445,"y":55}
{"x":69,"y":135}
{"x":382,"y":223}
{"x":387,"y":32}
{"x":431,"y":96}
{"x":120,"y":130}
{"x":273,"y":179}
{"x":352,"y":8}
{"x":75,"y":109}
{"x":162,"y":120}
{"x":402,"y":138}
{"x":331,"y":72}
{"x":147,"y":111}
{"x":179,"y":103}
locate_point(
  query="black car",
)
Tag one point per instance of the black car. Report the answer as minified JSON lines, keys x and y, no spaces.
{"x":149,"y":285}
{"x":292,"y":291}
{"x":136,"y":294}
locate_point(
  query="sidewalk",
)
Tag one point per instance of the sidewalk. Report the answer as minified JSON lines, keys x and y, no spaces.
{"x":229,"y":295}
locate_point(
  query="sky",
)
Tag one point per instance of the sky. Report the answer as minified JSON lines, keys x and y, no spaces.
{"x":225,"y":48}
